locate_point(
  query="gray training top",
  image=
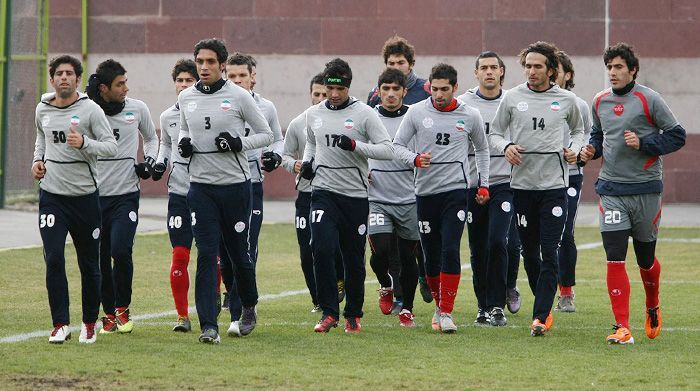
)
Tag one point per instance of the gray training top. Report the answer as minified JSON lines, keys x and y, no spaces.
{"x":255,"y":155}
{"x":71,"y":171}
{"x":117,"y":175}
{"x":447,"y":135}
{"x":179,"y":178}
{"x":294,"y":144}
{"x":337,"y":170}
{"x":204,"y":116}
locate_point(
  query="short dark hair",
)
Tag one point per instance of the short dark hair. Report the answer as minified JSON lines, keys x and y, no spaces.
{"x":214,"y":44}
{"x":187,"y":66}
{"x":624,"y":51}
{"x":546,"y":49}
{"x":65,"y":59}
{"x":568,"y":67}
{"x":444,"y":71}
{"x":242,"y":59}
{"x":392,"y":76}
{"x":108,"y":70}
{"x":397,"y":45}
{"x":337,"y":67}
{"x":318,"y":79}
{"x":490,"y":54}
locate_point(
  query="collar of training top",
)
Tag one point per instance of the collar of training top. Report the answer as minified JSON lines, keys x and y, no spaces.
{"x":392,"y":114}
{"x":341,"y":106}
{"x":337,"y":81}
{"x":205,"y":89}
{"x":625,"y":89}
{"x":478,"y":93}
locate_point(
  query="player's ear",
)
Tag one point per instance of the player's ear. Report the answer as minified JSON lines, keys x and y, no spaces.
{"x":405,"y":91}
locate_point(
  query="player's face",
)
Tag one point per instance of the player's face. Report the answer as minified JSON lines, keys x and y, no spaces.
{"x":117,"y":91}
{"x":442,"y":92}
{"x":618,"y":73}
{"x":391,"y":95}
{"x":318,"y":93}
{"x":562,"y":77}
{"x":183,"y":81}
{"x":537,"y":72}
{"x":208,"y":66}
{"x":489,"y":73}
{"x":398,"y":61}
{"x":337,"y":95}
{"x":65,"y":81}
{"x":240,"y":75}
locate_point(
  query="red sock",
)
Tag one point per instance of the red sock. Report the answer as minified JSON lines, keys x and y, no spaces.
{"x":180,"y":278}
{"x":434,"y":285}
{"x":619,"y":292}
{"x":650,"y":278}
{"x":218,"y":275}
{"x":448,"y":291}
{"x":566,"y":290}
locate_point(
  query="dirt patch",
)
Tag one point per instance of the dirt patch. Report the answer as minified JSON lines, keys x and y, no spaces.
{"x":24,"y":382}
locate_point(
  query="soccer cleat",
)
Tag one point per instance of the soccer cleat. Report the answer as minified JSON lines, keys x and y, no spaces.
{"x":249,"y":318}
{"x":60,"y":334}
{"x":341,"y":290}
{"x":396,"y":307}
{"x":549,"y":321}
{"x":234,"y":330}
{"x":109,"y":324}
{"x":483,"y":318}
{"x":124,"y":322}
{"x":183,"y":324}
{"x":224,"y":302}
{"x":498,"y":318}
{"x":87,"y":333}
{"x":406,"y":319}
{"x":513,"y":300}
{"x":386,"y":300}
{"x":621,"y":336}
{"x":209,"y":336}
{"x":425,"y":290}
{"x":326,"y":323}
{"x":566,"y":304}
{"x":317,"y":308}
{"x":652,"y":326}
{"x":538,"y":328}
{"x":435,"y":323}
{"x":352,"y":325}
{"x":447,"y":325}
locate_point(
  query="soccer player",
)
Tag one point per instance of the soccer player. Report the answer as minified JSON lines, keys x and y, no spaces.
{"x":493,"y":239}
{"x":71,"y":131}
{"x":179,"y":223}
{"x":632,"y":128}
{"x":119,"y":189}
{"x":443,"y":127}
{"x":294,"y":144}
{"x":213,"y":117}
{"x":342,"y":133}
{"x":539,"y":116}
{"x":240,"y":69}
{"x":567,"y":252}
{"x":392,"y":206}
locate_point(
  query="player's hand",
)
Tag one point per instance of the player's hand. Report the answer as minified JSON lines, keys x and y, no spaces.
{"x":423,"y":160}
{"x":586,"y":153}
{"x":226,"y":142}
{"x":270,"y":161}
{"x":482,"y":195}
{"x":159,"y":170}
{"x":143,"y":169}
{"x":569,"y":156}
{"x":307,"y":171}
{"x":75,"y":138}
{"x":346,"y":143}
{"x":297,"y":166}
{"x":513,"y":155}
{"x":38,"y":170}
{"x":184,"y":147}
{"x":631,"y":139}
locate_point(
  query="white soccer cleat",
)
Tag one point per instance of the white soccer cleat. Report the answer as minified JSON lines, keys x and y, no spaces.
{"x":60,"y":334}
{"x":87,"y":333}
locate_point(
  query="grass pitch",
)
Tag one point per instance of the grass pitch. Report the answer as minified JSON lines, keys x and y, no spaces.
{"x":284,"y":353}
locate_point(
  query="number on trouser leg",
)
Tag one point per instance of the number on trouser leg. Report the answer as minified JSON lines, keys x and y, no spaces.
{"x":520,"y":220}
{"x":613,"y":217}
{"x":300,"y":222}
{"x":470,"y":219}
{"x":316,"y":216}
{"x":424,"y":227}
{"x":175,"y":222}
{"x":47,"y":220}
{"x":194,"y":220}
{"x":376,"y":219}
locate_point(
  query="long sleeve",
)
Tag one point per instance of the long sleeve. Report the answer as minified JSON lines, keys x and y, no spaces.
{"x":404,"y":135}
{"x":672,"y":135}
{"x":576,"y":129}
{"x":40,"y":143}
{"x":289,"y":150}
{"x":261,"y":134}
{"x":310,"y":149}
{"x":148,"y":132}
{"x":596,"y":139}
{"x":499,"y":126}
{"x":104,"y":145}
{"x":278,"y":140}
{"x":380,"y":147}
{"x":184,"y":128}
{"x":481,"y":149}
{"x":166,"y":144}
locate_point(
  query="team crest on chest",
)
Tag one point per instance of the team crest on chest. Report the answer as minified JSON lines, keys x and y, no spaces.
{"x":75,"y":120}
{"x":348,"y":123}
{"x":191,"y":106}
{"x":226,"y":105}
{"x":428,"y":122}
{"x":522,"y":106}
{"x":317,"y":124}
{"x":618,"y":109}
{"x":460,"y":125}
{"x":45,"y":120}
{"x":555,"y":106}
{"x":129,"y":117}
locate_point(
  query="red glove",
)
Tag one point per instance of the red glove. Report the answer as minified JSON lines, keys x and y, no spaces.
{"x":483,"y":191}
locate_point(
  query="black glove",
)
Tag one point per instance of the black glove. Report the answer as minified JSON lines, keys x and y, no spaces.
{"x":225,"y":142}
{"x":270,"y":161}
{"x":159,"y":170}
{"x":307,"y":170}
{"x":346,"y":143}
{"x":184,"y":147}
{"x":145,"y":169}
